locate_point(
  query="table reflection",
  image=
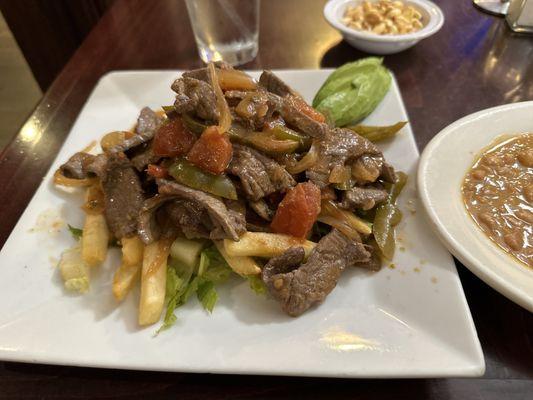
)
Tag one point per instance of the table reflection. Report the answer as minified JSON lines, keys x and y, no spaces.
{"x":504,"y":67}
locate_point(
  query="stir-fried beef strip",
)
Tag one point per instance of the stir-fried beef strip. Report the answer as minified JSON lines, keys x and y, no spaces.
{"x":147,"y":228}
{"x":298,"y":287}
{"x":237,"y":214}
{"x":261,"y":208}
{"x":227,"y":220}
{"x":76,"y":166}
{"x":192,"y":219}
{"x":281,"y":99}
{"x":98,"y":165}
{"x":301,"y":121}
{"x":259,"y":174}
{"x":253,"y":110}
{"x":193,"y":95}
{"x":367,"y":168}
{"x":387,"y":173}
{"x":123,"y":196}
{"x":147,"y":124}
{"x":144,"y":157}
{"x":374,"y":262}
{"x":202,"y":74}
{"x":363,"y":198}
{"x":338,"y":147}
{"x":278,"y":175}
{"x":274,"y":84}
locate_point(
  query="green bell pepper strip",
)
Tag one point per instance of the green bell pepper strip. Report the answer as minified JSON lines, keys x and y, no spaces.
{"x":387,"y":216}
{"x":377,"y":133}
{"x":193,"y":124}
{"x":169,"y":110}
{"x":267,"y":141}
{"x":187,"y":174}
{"x":284,"y":133}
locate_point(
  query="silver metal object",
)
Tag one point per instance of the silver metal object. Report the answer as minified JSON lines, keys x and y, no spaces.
{"x":520,"y":16}
{"x":495,"y":7}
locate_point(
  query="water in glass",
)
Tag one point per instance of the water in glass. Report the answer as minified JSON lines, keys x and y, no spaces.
{"x":225,"y":29}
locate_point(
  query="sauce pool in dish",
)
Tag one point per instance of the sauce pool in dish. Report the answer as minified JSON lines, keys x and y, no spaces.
{"x":498,"y":194}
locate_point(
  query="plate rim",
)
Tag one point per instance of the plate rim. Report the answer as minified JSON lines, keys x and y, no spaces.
{"x":490,"y":277}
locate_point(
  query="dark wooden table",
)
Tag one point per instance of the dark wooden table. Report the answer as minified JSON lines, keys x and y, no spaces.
{"x":474,"y":62}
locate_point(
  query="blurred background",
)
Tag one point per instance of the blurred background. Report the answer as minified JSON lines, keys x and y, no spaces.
{"x":37,"y":38}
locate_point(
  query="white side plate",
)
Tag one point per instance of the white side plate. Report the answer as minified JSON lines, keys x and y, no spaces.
{"x":443,"y":165}
{"x":408,"y":321}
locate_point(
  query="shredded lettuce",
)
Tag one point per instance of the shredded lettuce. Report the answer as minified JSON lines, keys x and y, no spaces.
{"x":207,"y":295}
{"x":75,"y":232}
{"x":213,"y":270}
{"x":257,"y":284}
{"x":217,"y":269}
{"x":203,"y":264}
{"x":178,"y":282}
{"x":190,"y":289}
{"x":183,"y":282}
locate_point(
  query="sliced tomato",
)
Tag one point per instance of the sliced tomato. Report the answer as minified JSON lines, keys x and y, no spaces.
{"x":173,"y":139}
{"x":212,"y":152}
{"x":305,"y":108}
{"x":298,"y":210}
{"x":157,"y":171}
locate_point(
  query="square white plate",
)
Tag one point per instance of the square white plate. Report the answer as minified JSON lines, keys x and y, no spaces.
{"x":410,"y":319}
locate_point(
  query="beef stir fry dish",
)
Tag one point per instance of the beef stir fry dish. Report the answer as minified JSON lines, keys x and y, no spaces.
{"x":237,"y":176}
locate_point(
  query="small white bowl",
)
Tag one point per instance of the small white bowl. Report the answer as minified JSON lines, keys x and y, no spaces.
{"x":432,"y":18}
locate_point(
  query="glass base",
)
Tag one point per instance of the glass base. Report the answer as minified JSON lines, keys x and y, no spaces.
{"x":232,"y":53}
{"x":521,"y":28}
{"x":495,"y":7}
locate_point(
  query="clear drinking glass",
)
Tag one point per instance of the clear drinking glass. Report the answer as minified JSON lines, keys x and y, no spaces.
{"x":225,"y":29}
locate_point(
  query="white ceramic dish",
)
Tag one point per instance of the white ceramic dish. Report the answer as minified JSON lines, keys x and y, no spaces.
{"x":442,"y":168}
{"x":410,"y":321}
{"x":432,"y":18}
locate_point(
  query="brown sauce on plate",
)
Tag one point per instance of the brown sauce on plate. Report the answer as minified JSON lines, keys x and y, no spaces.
{"x":498,"y":194}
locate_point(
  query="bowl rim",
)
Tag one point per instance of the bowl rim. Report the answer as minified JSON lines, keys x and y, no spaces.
{"x":454,"y":244}
{"x":436,"y":21}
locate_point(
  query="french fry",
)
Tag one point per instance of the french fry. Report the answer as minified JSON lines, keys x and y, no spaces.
{"x":124,"y":278}
{"x":128,"y":272}
{"x":153,"y":282}
{"x":94,"y":240}
{"x":241,"y":265}
{"x":132,"y":250}
{"x":267,"y":245}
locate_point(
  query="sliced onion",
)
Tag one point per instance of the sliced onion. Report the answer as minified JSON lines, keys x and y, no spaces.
{"x":306,"y":162}
{"x":163,"y":250}
{"x":89,"y":147}
{"x":340,"y":174}
{"x":329,"y":208}
{"x":60,"y":179}
{"x":224,"y":121}
{"x":269,"y":144}
{"x":233,"y":79}
{"x":342,"y":226}
{"x":114,"y":138}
